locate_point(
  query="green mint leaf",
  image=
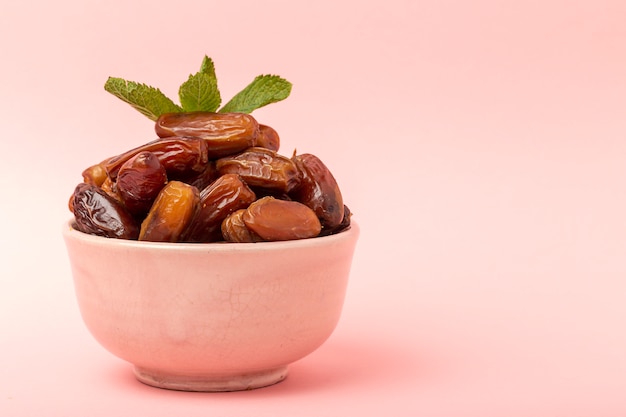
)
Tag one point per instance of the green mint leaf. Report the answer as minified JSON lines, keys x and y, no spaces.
{"x":200,"y":92}
{"x":208,"y":67}
{"x":149,"y":101}
{"x":264,"y":90}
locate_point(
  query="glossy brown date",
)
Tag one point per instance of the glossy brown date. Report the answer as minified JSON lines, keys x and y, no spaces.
{"x":139,"y":181}
{"x":171,"y":213}
{"x":234,"y":229}
{"x":96,"y":213}
{"x":225,"y":195}
{"x":179,"y":156}
{"x":345,"y":223}
{"x":225,"y":133}
{"x":273,"y":219}
{"x":95,"y":174}
{"x":262,"y":167}
{"x":319,"y":190}
{"x":268,"y":138}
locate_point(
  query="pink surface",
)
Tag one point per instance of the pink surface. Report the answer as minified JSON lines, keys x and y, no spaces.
{"x":481,"y":146}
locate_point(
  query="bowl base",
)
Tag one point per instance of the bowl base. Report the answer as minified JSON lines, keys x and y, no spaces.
{"x":211,"y":383}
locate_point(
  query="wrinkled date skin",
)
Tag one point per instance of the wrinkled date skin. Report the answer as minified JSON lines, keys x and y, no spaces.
{"x":234,"y":229}
{"x":225,"y":195}
{"x":96,"y":213}
{"x":171,"y":213}
{"x":273,"y":219}
{"x":179,"y":156}
{"x":225,"y":133}
{"x":139,"y":181}
{"x":262,"y":167}
{"x":319,"y":190}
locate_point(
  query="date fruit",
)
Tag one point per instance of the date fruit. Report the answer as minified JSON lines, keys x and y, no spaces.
{"x":209,"y":177}
{"x":268,"y":138}
{"x":171,"y":213}
{"x":262,"y":167}
{"x":95,"y":174}
{"x":273,"y":219}
{"x":97,"y":213}
{"x":319,"y":190}
{"x":234,"y":229}
{"x":225,"y":195}
{"x":139,"y":181}
{"x":225,"y":133}
{"x":179,"y":156}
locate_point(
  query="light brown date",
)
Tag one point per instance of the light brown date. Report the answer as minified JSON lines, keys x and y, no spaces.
{"x":179,"y":156}
{"x":225,"y":195}
{"x":171,"y":213}
{"x":268,"y":138}
{"x":262,"y":167}
{"x":273,"y":219}
{"x":139,"y":181}
{"x":97,"y":213}
{"x":95,"y":174}
{"x":234,"y":229}
{"x":319,"y":190}
{"x":225,"y":133}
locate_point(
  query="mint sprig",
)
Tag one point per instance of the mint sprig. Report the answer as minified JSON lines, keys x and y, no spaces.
{"x":200,"y":93}
{"x":149,"y":101}
{"x":264,"y":90}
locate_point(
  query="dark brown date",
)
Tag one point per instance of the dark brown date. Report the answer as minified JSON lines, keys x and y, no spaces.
{"x":345,"y":223}
{"x":97,"y":213}
{"x":171,"y":213}
{"x":268,"y":138}
{"x":234,"y":229}
{"x":139,"y":181}
{"x":319,"y":190}
{"x":225,"y":133}
{"x":274,"y":219}
{"x":179,"y":156}
{"x":225,"y":195}
{"x":262,"y":167}
{"x":203,"y":179}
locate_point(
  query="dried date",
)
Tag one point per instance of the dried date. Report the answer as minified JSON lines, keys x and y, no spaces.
{"x":225,"y":133}
{"x":97,"y":213}
{"x":171,"y":213}
{"x":234,"y":229}
{"x":179,"y":156}
{"x":225,"y":195}
{"x":319,"y":190}
{"x":273,"y":219}
{"x":268,"y":138}
{"x":139,"y":181}
{"x":262,"y":167}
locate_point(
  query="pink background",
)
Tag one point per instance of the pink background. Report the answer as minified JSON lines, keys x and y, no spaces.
{"x":481,"y":146}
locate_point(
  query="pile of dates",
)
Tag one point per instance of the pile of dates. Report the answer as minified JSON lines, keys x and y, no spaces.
{"x":209,"y":177}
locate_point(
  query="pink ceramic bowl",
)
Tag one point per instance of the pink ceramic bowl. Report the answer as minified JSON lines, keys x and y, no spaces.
{"x":210,"y":317}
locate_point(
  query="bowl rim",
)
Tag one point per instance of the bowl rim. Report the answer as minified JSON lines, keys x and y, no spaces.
{"x":351,"y":232}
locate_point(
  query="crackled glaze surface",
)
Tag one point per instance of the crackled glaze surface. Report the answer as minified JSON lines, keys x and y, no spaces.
{"x":210,"y":317}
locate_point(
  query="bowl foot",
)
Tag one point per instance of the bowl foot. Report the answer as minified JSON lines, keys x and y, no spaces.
{"x":211,"y":383}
